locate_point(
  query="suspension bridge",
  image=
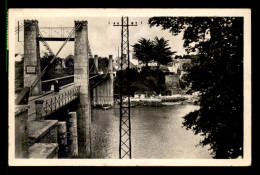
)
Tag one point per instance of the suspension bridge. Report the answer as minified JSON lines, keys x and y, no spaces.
{"x":52,"y":125}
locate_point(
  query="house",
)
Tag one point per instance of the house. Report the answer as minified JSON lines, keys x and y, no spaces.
{"x":176,"y":66}
{"x":173,"y":66}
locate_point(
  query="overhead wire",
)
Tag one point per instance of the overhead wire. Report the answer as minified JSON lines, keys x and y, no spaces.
{"x":19,"y":28}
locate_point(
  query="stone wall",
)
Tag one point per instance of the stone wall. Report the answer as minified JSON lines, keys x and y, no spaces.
{"x":172,"y":84}
{"x":21,"y":131}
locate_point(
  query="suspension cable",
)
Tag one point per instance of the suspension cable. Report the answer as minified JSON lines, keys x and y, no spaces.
{"x":22,"y":27}
{"x":91,"y":67}
{"x":52,"y":60}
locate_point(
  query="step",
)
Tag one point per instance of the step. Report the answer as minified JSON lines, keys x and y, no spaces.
{"x":43,"y":151}
{"x":43,"y":131}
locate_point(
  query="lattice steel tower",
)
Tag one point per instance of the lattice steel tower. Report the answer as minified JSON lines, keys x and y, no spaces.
{"x":125,"y":119}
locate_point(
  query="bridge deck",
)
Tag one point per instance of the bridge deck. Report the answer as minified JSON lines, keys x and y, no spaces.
{"x":59,"y":101}
{"x":46,"y":96}
{"x":38,"y":129}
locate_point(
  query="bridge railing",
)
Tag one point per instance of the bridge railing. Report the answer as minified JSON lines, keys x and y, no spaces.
{"x":46,"y":85}
{"x":53,"y":104}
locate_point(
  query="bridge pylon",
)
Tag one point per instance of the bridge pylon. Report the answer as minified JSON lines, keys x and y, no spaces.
{"x":32,"y":65}
{"x":81,"y":78}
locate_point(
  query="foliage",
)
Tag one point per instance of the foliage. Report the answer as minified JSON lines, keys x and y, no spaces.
{"x":218,"y":74}
{"x":19,"y":76}
{"x":103,"y":64}
{"x":162,"y":52}
{"x":144,"y":50}
{"x":156,"y":50}
{"x":55,"y":70}
{"x":146,"y":82}
{"x":191,"y":56}
{"x":69,"y":64}
{"x":183,"y":84}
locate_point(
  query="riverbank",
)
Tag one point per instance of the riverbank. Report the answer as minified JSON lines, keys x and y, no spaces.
{"x":158,"y":101}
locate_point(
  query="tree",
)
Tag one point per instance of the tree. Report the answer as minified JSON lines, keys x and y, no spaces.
{"x":147,"y":81}
{"x":218,"y":74}
{"x":19,"y":71}
{"x":103,"y":64}
{"x":144,"y":50}
{"x":178,"y":57}
{"x":134,"y":78}
{"x":69,"y":64}
{"x":162,"y":53}
{"x":51,"y":72}
{"x":156,"y":50}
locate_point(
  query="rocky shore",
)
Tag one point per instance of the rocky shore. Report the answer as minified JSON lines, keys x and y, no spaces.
{"x":165,"y":100}
{"x":146,"y":102}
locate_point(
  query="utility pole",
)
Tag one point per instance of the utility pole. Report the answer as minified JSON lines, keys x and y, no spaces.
{"x":124,"y":62}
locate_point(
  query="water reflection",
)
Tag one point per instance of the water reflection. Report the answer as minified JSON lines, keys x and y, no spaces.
{"x":156,"y":133}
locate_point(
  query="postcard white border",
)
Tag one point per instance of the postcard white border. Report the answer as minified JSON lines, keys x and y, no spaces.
{"x":35,"y":13}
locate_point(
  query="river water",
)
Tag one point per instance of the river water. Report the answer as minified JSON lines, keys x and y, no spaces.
{"x":157,"y":133}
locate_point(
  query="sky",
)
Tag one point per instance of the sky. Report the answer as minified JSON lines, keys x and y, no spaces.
{"x":104,"y":38}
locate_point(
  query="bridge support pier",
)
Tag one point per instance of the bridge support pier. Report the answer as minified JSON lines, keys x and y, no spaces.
{"x":81,"y":78}
{"x":32,"y":67}
{"x":62,"y":139}
{"x":104,"y":93}
{"x":72,"y":139}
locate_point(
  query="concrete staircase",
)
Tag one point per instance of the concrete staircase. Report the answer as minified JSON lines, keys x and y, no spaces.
{"x":43,"y":138}
{"x":42,"y":134}
{"x":43,"y":151}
